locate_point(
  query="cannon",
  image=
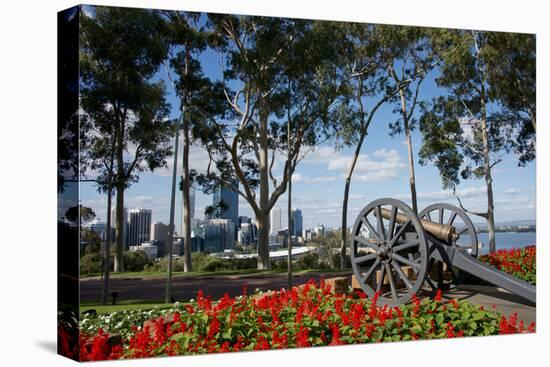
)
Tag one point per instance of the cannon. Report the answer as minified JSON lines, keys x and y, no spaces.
{"x":397,"y":253}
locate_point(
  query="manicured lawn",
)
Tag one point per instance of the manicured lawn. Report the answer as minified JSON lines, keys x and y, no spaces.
{"x":126,"y":305}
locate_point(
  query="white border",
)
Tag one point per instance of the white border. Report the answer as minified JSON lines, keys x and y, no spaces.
{"x":28,"y":151}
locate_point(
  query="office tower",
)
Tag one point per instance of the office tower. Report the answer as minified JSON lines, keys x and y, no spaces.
{"x":307,"y":234}
{"x":124,"y":223}
{"x":159,"y":231}
{"x":275,"y":220}
{"x":218,"y":235}
{"x":226,"y":203}
{"x":297,"y":222}
{"x":246,"y":237}
{"x":100,"y":228}
{"x":244,"y":219}
{"x":191,"y":209}
{"x":139,"y":226}
{"x":320,"y":230}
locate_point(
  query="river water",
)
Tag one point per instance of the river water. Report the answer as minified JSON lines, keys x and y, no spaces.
{"x":506,"y":240}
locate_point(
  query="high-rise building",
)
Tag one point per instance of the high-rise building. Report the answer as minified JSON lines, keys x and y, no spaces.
{"x":246,"y":234}
{"x":139,"y":226}
{"x":275,"y":220}
{"x":227,"y":232}
{"x":191,"y":209}
{"x":297,"y":222}
{"x":159,"y":232}
{"x":307,"y":234}
{"x":100,"y":228}
{"x":124,"y":223}
{"x":217,"y":234}
{"x":320,"y":230}
{"x":226,"y":203}
{"x":244,"y":219}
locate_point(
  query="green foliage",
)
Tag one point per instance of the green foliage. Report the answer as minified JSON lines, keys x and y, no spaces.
{"x":85,"y":214}
{"x":521,"y":262}
{"x":309,"y":260}
{"x":303,"y":317}
{"x":93,"y":242}
{"x":476,"y":73}
{"x":136,"y":260}
{"x":90,"y":264}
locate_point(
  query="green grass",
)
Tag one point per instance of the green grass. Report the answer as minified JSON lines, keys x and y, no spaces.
{"x":126,"y":305}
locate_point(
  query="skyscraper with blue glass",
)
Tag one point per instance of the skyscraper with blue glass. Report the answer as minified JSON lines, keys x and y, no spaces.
{"x":226,"y":203}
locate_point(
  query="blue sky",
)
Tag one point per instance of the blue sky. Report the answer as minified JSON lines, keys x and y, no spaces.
{"x":318,"y":182}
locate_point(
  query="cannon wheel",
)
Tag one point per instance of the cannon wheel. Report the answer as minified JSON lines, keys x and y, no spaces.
{"x":444,"y":213}
{"x":387,"y":257}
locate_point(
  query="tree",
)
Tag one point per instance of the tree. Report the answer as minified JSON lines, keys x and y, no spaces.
{"x":408,"y":60}
{"x":79,"y":214}
{"x":189,"y":37}
{"x":278,"y":69}
{"x":121,"y":50}
{"x":93,"y":242}
{"x":365,"y":86}
{"x":462,"y":136}
{"x":98,"y":155}
{"x":512,"y":75}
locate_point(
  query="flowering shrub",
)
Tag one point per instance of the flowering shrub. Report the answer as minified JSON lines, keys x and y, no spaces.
{"x":520,"y":263}
{"x":303,"y":317}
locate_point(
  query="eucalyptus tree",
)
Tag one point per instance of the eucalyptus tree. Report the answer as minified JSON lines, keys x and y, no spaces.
{"x":121,"y":50}
{"x":464,"y":135}
{"x":280,"y":75}
{"x":512,"y":75}
{"x":189,"y":37}
{"x":408,"y":60}
{"x":365,"y":86}
{"x":98,"y":151}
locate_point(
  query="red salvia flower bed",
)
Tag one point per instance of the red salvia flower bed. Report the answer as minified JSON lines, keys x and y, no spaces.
{"x":303,"y":317}
{"x":520,"y":262}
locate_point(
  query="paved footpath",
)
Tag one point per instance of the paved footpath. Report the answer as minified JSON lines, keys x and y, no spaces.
{"x":505,"y":302}
{"x":185,"y":288}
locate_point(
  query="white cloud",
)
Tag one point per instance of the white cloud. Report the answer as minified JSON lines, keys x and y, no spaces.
{"x":299,"y":178}
{"x":471,"y":192}
{"x":516,"y":191}
{"x":198,"y":160}
{"x":381,"y":165}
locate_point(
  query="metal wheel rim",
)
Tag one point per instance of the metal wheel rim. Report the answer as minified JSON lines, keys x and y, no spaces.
{"x":467,"y":230}
{"x":391,"y":259}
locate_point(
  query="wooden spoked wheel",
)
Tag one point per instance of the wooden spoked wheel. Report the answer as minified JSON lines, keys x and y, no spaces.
{"x":441,"y":274}
{"x":389,"y":257}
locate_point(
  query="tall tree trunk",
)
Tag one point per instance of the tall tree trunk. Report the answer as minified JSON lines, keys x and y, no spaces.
{"x":263,"y":221}
{"x":120,"y":181}
{"x":263,"y":242}
{"x":290,"y":224}
{"x":107,"y":249}
{"x":409,"y":150}
{"x":171,"y":226}
{"x":187,"y":265}
{"x":487,"y":172}
{"x":351,"y":168}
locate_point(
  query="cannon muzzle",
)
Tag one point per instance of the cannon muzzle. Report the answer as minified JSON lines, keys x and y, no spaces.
{"x":444,"y":232}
